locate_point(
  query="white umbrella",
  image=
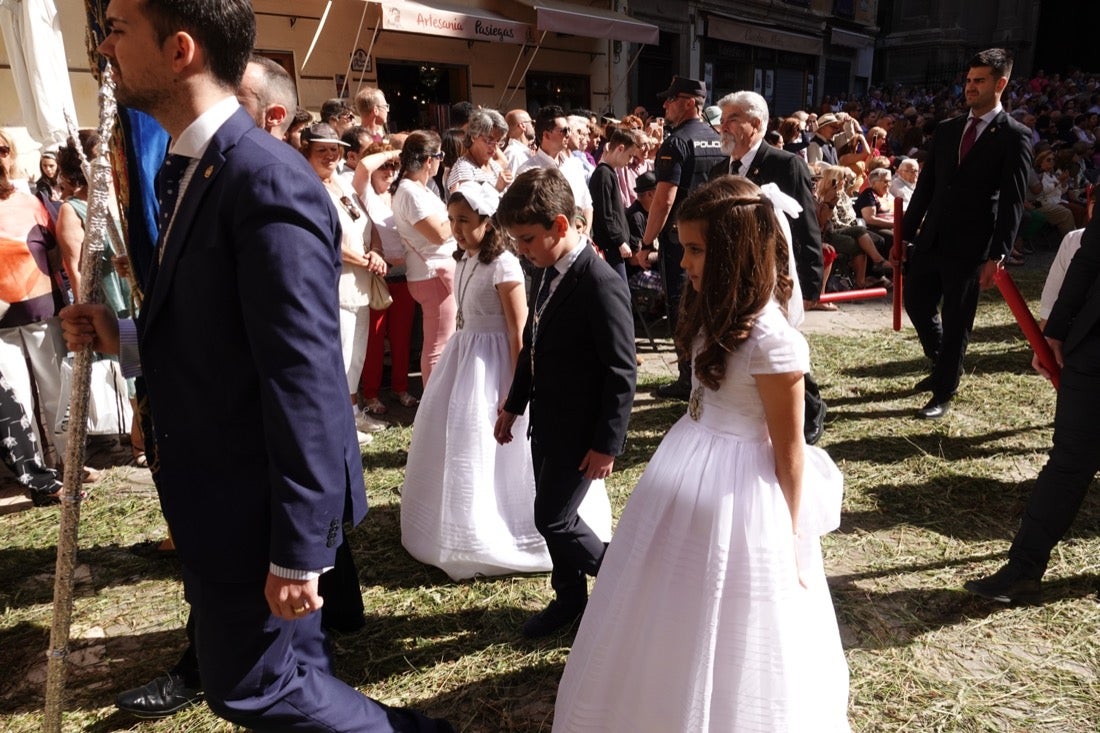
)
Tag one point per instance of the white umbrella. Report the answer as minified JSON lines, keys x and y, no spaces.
{"x":36,"y":52}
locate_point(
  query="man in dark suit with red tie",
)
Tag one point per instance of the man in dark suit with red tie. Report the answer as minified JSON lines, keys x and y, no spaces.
{"x":1073,"y":332}
{"x":238,"y":341}
{"x":962,"y":220}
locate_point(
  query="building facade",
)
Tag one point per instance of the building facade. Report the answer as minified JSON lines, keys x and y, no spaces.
{"x":930,"y":41}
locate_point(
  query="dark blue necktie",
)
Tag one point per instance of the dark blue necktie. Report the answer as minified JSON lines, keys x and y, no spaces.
{"x":168,"y":190}
{"x":548,"y":276}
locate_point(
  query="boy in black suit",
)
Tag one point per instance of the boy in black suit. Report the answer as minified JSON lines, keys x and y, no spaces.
{"x":577,"y":370}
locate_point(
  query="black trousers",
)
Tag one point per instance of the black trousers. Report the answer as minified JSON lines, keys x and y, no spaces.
{"x":941,"y":298}
{"x":575,"y":550}
{"x":1073,"y":462}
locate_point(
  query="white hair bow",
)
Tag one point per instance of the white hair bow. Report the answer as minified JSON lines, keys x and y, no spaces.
{"x":482,"y":198}
{"x":782,"y":202}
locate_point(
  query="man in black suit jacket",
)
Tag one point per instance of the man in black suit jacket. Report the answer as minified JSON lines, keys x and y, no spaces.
{"x":962,"y":219}
{"x":238,"y":341}
{"x":744,"y":122}
{"x":1073,"y":334}
{"x":577,"y":372}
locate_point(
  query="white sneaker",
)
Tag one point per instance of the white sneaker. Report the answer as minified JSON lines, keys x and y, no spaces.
{"x":364,"y":438}
{"x":368,"y":424}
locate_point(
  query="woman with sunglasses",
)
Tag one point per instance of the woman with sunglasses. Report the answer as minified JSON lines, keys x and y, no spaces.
{"x":421,"y":218}
{"x":481,"y":163}
{"x":323,"y":149}
{"x":373,"y":180}
{"x":9,"y":159}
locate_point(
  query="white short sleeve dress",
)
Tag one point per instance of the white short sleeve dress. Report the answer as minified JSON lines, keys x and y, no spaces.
{"x":697,"y":621}
{"x":467,"y":506}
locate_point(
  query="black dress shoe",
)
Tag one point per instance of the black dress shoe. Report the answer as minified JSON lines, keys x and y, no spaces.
{"x":1007,"y":585}
{"x":678,"y":390}
{"x":164,"y":696}
{"x":924,"y":385}
{"x":934,"y":410}
{"x":555,"y":616}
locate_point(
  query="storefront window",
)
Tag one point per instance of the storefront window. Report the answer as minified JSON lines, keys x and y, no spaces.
{"x":569,"y":91}
{"x":420,"y":94}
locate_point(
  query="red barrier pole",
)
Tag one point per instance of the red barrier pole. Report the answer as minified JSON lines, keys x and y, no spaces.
{"x":1018,"y":306}
{"x":897,"y":256}
{"x":847,"y":295}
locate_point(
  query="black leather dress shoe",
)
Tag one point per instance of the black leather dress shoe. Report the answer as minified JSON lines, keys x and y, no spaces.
{"x":934,"y":410}
{"x":1007,"y":585}
{"x":678,"y":390}
{"x":924,"y":385}
{"x":164,"y":696}
{"x":555,"y":616}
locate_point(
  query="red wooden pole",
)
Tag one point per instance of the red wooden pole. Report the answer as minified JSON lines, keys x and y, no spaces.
{"x":1018,"y":306}
{"x":847,"y":295}
{"x":897,"y":257}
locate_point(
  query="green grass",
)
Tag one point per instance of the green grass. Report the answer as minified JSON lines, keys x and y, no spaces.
{"x":928,"y":505}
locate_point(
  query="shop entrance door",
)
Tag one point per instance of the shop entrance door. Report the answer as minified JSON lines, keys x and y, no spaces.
{"x":421,"y":94}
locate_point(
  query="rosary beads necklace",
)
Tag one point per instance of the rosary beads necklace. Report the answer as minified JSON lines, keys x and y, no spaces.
{"x":463,"y":286}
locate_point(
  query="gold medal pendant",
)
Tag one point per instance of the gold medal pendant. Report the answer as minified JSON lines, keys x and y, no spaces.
{"x":695,"y":403}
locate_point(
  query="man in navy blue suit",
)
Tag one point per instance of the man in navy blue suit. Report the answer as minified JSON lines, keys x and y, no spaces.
{"x":239,"y":344}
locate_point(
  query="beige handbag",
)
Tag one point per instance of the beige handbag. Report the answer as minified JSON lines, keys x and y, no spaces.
{"x":379,"y":293}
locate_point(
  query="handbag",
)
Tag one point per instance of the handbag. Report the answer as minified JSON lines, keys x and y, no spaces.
{"x":378,"y":293}
{"x":109,"y":410}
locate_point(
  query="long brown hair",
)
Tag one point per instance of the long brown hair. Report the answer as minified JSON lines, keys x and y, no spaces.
{"x":745,"y":266}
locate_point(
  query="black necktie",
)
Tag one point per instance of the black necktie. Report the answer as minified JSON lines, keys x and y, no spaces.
{"x":735,"y":167}
{"x":168,"y":190}
{"x":548,"y":276}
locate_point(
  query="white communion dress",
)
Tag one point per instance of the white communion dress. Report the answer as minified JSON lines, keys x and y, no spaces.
{"x":698,"y":621}
{"x":467,"y":506}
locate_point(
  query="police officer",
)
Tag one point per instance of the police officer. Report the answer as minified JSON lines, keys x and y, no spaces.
{"x":690,"y":149}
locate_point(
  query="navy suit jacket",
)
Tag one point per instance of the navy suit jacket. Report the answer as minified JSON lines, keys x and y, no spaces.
{"x":970,"y":211}
{"x":582,"y":388}
{"x":256,"y":454}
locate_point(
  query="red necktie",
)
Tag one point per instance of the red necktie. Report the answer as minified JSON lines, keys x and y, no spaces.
{"x":969,"y":137}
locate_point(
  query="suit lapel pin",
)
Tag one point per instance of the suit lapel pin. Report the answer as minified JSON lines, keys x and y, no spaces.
{"x":755,"y":173}
{"x":208,"y":172}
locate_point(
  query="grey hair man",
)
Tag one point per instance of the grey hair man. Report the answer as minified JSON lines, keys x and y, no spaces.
{"x":905,"y":181}
{"x":744,"y":122}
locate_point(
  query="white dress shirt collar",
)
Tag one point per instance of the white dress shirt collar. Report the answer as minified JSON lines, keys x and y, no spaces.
{"x":196,"y":137}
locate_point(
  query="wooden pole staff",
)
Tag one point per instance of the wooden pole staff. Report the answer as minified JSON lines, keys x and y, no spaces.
{"x":95,"y":237}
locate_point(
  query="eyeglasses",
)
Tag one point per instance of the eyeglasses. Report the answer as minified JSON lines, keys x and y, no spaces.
{"x":346,"y":117}
{"x":562,"y":130}
{"x":4,"y":150}
{"x":435,"y":156}
{"x":349,"y":206}
{"x":390,"y":166}
{"x":493,"y":141}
